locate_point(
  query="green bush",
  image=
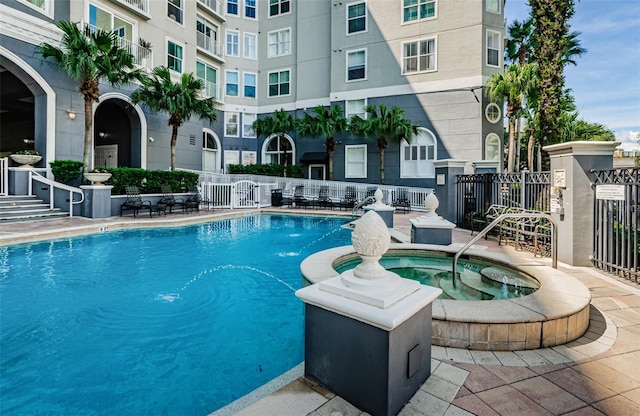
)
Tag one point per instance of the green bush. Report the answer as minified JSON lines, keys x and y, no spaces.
{"x":149,"y":181}
{"x":66,"y":171}
{"x":270,"y":169}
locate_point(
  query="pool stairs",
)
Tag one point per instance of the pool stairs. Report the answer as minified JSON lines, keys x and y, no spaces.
{"x":15,"y":208}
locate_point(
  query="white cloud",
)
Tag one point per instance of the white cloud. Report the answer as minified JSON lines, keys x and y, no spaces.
{"x":628,"y":140}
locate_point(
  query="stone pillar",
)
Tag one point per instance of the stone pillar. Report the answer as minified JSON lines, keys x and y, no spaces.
{"x":368,"y":331}
{"x":572,"y":195}
{"x":385,"y":211}
{"x":446,"y":172}
{"x":97,"y":201}
{"x":431,"y":228}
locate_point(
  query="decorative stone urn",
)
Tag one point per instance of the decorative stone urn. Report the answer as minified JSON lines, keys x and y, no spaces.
{"x":26,"y":161}
{"x":97,"y":177}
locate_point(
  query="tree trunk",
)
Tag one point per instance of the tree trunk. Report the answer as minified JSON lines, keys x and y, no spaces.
{"x":174,"y":139}
{"x":512,"y":145}
{"x":88,"y":122}
{"x":330,"y":153}
{"x":530,"y":150}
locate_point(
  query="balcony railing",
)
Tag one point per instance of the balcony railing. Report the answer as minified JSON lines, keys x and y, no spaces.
{"x":142,"y":5}
{"x":216,"y":6}
{"x":210,"y":45}
{"x":212,"y":90}
{"x":143,"y":57}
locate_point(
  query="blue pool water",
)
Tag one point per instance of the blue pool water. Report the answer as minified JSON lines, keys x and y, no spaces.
{"x":164,"y":321}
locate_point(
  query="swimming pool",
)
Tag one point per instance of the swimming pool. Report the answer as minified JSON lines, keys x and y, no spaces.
{"x":163,"y":321}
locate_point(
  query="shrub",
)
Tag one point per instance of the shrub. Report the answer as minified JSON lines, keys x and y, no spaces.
{"x":149,"y":181}
{"x":270,"y":169}
{"x":66,"y":171}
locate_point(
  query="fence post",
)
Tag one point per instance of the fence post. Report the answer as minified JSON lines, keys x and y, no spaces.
{"x":571,"y":164}
{"x":446,"y":172}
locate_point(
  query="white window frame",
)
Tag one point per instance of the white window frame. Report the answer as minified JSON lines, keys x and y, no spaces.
{"x":365,"y":17}
{"x":282,"y":48}
{"x":250,"y":47}
{"x":181,"y":59}
{"x":246,"y":8}
{"x":114,"y":15}
{"x":47,"y":8}
{"x":247,"y":125}
{"x":268,"y":155}
{"x":206,"y":81}
{"x":216,"y":152}
{"x":226,"y":83}
{"x":347,"y":162}
{"x":491,"y":137}
{"x":179,"y":19}
{"x":498,"y":6}
{"x":229,"y":123}
{"x":279,"y":3}
{"x":237,"y":3}
{"x":249,"y":157}
{"x":418,"y":18}
{"x":490,"y":34}
{"x":231,"y":157}
{"x":419,"y":56}
{"x":279,"y":83}
{"x":348,"y":108}
{"x":236,"y":34}
{"x":418,"y":166}
{"x":351,"y":52}
{"x":245,"y":84}
{"x":487,"y":113}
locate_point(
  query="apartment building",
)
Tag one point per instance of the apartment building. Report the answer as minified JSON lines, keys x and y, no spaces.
{"x":431,"y":57}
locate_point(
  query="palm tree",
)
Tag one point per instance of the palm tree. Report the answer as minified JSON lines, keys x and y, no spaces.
{"x":279,"y":123}
{"x":513,"y":86}
{"x":180,"y":99}
{"x":326,"y":123}
{"x":519,"y":45}
{"x":90,"y":57}
{"x":383,"y":126}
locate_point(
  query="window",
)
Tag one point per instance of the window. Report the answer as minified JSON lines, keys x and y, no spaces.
{"x":417,"y":157}
{"x":247,"y":124}
{"x":413,"y":10}
{"x":357,"y":18}
{"x":279,"y":83}
{"x":174,"y":56}
{"x":233,"y":41}
{"x":419,"y":56}
{"x":44,"y":6}
{"x":356,"y":65}
{"x":209,"y":76}
{"x":493,"y":48}
{"x":232,"y":79}
{"x":250,"y":45}
{"x":355,"y":108}
{"x":249,"y":83}
{"x":279,"y":150}
{"x":104,"y":20}
{"x":175,"y":10}
{"x":280,"y":43}
{"x":210,"y":154}
{"x":249,"y":158}
{"x":492,"y":113}
{"x":231,"y":123}
{"x":207,"y":36}
{"x":250,"y":9}
{"x":492,"y":147}
{"x":355,"y":161}
{"x":232,"y":7}
{"x":493,"y":6}
{"x":231,"y":157}
{"x":209,"y":141}
{"x":277,"y":7}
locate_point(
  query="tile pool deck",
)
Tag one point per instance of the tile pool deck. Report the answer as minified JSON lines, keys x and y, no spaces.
{"x":598,"y":374}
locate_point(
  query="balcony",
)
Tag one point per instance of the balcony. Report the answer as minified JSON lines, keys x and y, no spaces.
{"x":143,"y":57}
{"x":211,"y":46}
{"x":139,"y":7}
{"x":214,"y":7}
{"x":212,"y":90}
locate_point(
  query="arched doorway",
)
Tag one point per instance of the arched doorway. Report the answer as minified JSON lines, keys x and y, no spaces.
{"x":117,"y":134}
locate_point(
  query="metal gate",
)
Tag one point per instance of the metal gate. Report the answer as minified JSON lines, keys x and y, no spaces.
{"x":616,"y":236}
{"x":245,"y":194}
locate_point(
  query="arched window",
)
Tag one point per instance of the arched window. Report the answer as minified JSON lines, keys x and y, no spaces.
{"x":492,"y":113}
{"x":492,"y":147}
{"x":210,"y":151}
{"x":417,"y":157}
{"x":278,"y":150}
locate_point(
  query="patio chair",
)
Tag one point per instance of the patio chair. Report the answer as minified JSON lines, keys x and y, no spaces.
{"x":135,"y":203}
{"x":370,"y":192}
{"x":169,"y":200}
{"x":298,"y":197}
{"x":323,"y":200}
{"x":194,"y":200}
{"x":402,"y":200}
{"x":350,"y":198}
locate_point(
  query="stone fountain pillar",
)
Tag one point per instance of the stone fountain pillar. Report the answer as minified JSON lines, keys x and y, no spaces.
{"x":368,"y":331}
{"x":385,"y":211}
{"x":431,"y":228}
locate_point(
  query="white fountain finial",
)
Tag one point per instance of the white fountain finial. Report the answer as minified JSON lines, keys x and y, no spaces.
{"x":371,"y":239}
{"x":431,"y":203}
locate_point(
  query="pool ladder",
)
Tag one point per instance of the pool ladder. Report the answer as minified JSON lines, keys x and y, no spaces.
{"x":498,"y":220}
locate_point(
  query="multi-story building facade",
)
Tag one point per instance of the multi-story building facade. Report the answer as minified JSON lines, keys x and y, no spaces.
{"x":431,"y":57}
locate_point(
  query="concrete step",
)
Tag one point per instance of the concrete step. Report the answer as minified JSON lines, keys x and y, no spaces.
{"x":45,"y":216}
{"x":15,"y":208}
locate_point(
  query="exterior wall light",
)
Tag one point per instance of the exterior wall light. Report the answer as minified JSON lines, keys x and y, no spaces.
{"x":72,"y":114}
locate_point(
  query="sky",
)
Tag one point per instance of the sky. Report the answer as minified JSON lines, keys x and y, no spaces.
{"x":606,"y":81}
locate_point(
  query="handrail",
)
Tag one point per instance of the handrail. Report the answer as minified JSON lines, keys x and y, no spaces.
{"x":499,"y":219}
{"x":35,"y":176}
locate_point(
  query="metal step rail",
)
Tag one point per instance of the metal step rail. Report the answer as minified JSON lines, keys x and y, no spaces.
{"x":35,"y":176}
{"x":366,"y":201}
{"x":498,"y":220}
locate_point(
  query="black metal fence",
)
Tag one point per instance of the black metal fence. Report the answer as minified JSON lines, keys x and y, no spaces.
{"x":617,"y":222}
{"x":475,"y":193}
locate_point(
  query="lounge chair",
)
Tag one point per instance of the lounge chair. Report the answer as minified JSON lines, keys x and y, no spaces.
{"x":323,"y":200}
{"x":402,"y":200}
{"x":298,"y":197}
{"x":135,"y":203}
{"x":169,"y":200}
{"x":370,"y":192}
{"x":194,"y":201}
{"x":350,"y":198}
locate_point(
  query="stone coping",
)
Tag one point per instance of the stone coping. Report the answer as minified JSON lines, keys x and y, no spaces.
{"x":554,"y":314}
